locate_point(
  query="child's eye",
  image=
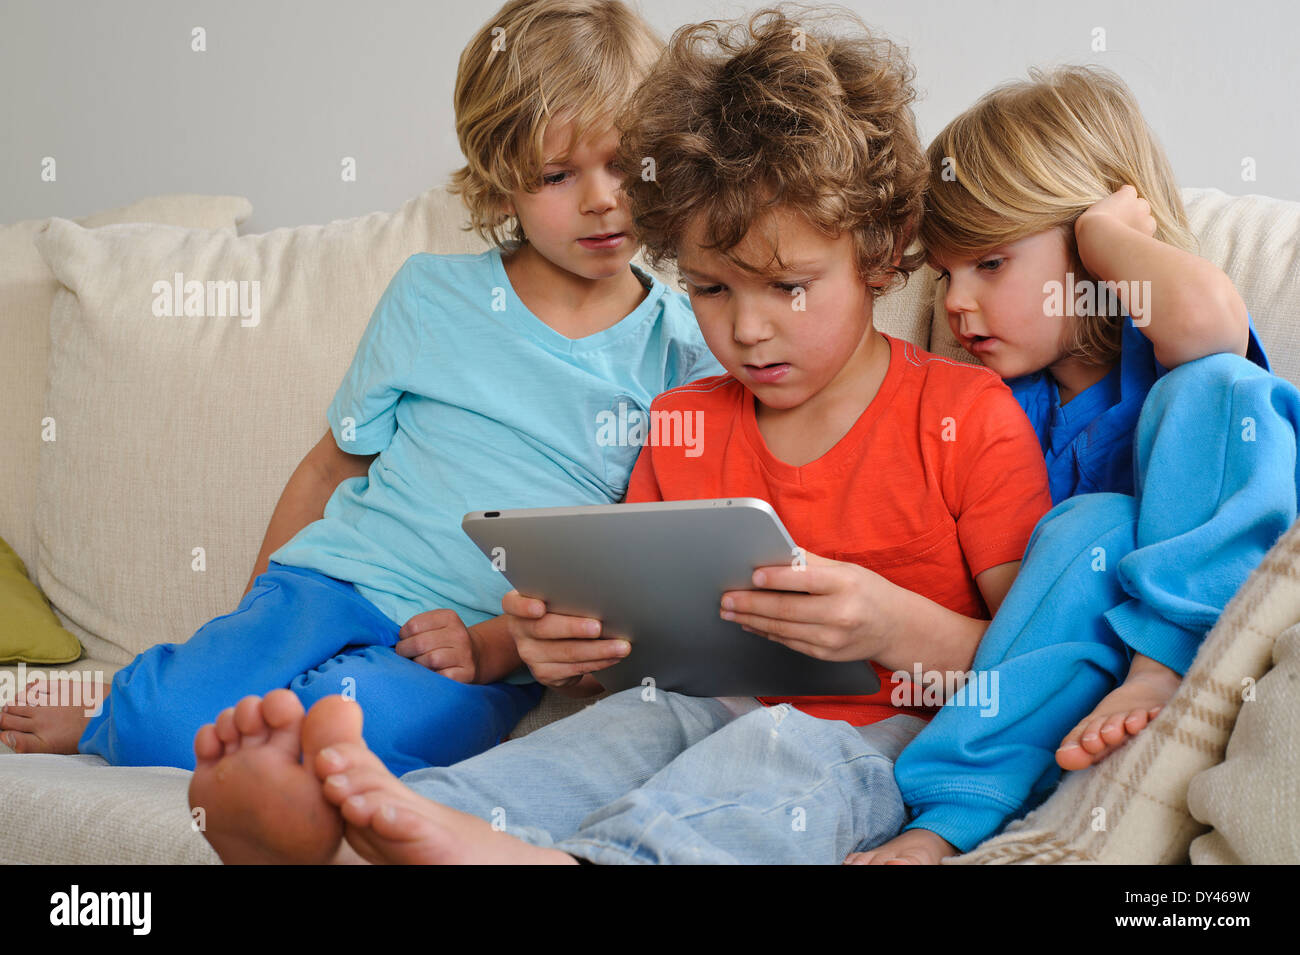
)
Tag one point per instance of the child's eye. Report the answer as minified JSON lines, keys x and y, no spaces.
{"x":554,"y":178}
{"x":704,"y":291}
{"x":793,"y":287}
{"x":990,"y":265}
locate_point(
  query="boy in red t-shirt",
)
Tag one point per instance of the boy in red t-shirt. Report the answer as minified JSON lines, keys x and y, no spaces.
{"x":912,"y":483}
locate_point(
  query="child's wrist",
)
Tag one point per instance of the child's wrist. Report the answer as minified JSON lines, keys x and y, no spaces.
{"x":494,"y":650}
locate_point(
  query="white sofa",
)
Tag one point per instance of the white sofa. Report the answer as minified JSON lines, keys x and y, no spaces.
{"x":175,"y":435}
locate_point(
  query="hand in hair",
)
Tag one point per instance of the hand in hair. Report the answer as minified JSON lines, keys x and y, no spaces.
{"x":1125,"y":205}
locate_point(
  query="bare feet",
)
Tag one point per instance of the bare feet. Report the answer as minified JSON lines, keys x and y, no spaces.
{"x":388,"y":822}
{"x":1123,"y":712}
{"x":911,"y":847}
{"x":49,"y":716}
{"x":251,"y":794}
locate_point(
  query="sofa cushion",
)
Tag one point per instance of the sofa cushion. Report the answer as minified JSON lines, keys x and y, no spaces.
{"x":1252,"y":798}
{"x":27,"y":288}
{"x":29,"y":631}
{"x":176,"y":433}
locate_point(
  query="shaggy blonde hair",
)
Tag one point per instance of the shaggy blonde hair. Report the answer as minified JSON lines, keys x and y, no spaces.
{"x":1033,"y":155}
{"x":795,"y":107}
{"x":536,"y":62}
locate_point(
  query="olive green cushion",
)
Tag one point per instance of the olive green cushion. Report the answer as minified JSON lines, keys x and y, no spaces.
{"x":29,"y":631}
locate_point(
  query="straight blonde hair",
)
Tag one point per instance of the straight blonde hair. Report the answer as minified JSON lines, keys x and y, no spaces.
{"x":1033,"y":155}
{"x":537,"y":61}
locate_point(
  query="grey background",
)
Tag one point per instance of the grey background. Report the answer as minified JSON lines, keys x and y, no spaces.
{"x":286,"y":88}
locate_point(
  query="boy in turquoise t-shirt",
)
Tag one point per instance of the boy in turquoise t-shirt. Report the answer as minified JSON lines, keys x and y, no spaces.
{"x":481,"y":380}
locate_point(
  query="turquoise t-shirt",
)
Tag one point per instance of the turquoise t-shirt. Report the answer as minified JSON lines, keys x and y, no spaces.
{"x":474,"y":403}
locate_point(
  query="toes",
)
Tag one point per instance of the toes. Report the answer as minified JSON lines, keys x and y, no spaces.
{"x":226,"y":730}
{"x":347,"y":769}
{"x":330,"y":721}
{"x":1073,"y":756}
{"x":1090,"y":739}
{"x":248,"y":718}
{"x":1112,"y":731}
{"x":207,"y":745}
{"x":281,"y":709}
{"x":1135,"y":722}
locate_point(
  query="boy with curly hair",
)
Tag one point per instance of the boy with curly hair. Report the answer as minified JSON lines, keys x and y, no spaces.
{"x":787,"y":180}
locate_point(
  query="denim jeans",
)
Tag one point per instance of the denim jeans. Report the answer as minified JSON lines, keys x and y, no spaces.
{"x":648,"y":776}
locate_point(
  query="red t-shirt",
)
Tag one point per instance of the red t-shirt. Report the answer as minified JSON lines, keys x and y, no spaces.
{"x":940,"y":479}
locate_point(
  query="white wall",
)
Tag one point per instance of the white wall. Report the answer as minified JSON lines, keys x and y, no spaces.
{"x":111,"y":90}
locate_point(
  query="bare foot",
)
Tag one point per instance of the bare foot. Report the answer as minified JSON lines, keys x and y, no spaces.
{"x":251,"y":793}
{"x":49,"y":716}
{"x":388,"y":822}
{"x":910,"y":847}
{"x":1123,"y":712}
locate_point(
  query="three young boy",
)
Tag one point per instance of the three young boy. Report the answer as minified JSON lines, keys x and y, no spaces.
{"x":912,"y":482}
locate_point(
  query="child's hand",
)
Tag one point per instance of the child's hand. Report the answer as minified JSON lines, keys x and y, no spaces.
{"x":1124,"y":205}
{"x":836,"y":610}
{"x":559,"y":650}
{"x":437,"y":639}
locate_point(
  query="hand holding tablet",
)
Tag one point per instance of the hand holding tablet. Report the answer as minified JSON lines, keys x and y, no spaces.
{"x":654,"y":575}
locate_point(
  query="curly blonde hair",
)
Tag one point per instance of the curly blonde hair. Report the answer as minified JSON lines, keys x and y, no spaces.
{"x":536,"y":62}
{"x":1031,"y":156}
{"x":797,"y":107}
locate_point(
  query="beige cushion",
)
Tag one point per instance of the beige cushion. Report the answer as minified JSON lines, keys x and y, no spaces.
{"x":1256,"y":241}
{"x":179,"y":433}
{"x":1132,"y":808}
{"x":1252,"y":798}
{"x":27,"y":288}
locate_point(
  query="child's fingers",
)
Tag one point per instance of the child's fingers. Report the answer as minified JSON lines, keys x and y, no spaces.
{"x":772,"y":605}
{"x":544,"y":652}
{"x":430,"y":620}
{"x":556,"y":626}
{"x":809,"y":639}
{"x":517,"y":605}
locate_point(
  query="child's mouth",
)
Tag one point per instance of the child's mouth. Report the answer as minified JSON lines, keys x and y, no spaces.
{"x":766,"y":374}
{"x":610,"y":240}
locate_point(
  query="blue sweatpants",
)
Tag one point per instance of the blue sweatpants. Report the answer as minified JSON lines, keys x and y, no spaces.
{"x":315,"y":635}
{"x":1107,"y":575}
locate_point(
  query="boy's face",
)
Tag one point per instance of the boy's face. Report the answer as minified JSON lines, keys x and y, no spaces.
{"x":785,"y":336}
{"x":997,"y":305}
{"x":578,"y":220}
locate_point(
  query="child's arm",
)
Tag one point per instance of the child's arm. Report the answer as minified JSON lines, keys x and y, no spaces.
{"x":1194,"y":309}
{"x":834,"y":610}
{"x":304,"y":497}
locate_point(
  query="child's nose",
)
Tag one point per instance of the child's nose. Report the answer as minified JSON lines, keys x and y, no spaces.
{"x":601,"y":193}
{"x":749,"y":325}
{"x":957,"y":297}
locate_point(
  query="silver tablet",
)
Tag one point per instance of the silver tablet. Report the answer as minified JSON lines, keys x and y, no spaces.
{"x":655,"y":574}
